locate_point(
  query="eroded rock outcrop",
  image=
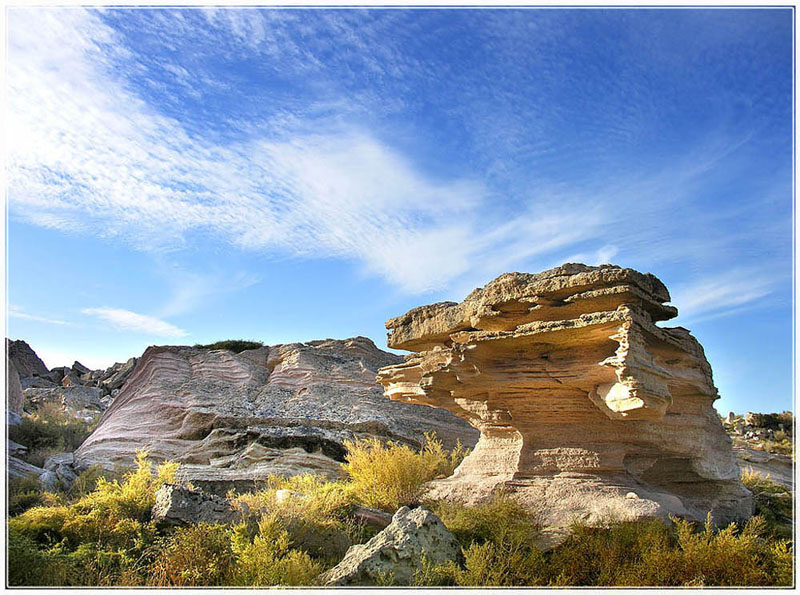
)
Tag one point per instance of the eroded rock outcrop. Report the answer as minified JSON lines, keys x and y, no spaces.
{"x":25,"y":360}
{"x":586,"y":408}
{"x":232,"y":419}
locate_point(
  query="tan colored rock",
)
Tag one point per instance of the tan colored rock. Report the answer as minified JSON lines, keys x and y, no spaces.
{"x":580,"y":398}
{"x":231,"y":420}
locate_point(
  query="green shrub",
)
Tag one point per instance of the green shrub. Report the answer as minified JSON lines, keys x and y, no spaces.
{"x":234,"y":345}
{"x":28,"y":565}
{"x":390,"y":475}
{"x":47,"y":431}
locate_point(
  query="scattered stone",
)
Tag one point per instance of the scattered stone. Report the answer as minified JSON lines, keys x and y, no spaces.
{"x":13,"y":418}
{"x":397,"y":551}
{"x":579,"y":396}
{"x":81,"y":402}
{"x":179,"y":505}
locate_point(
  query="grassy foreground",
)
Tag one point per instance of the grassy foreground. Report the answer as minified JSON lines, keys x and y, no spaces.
{"x":102,"y":534}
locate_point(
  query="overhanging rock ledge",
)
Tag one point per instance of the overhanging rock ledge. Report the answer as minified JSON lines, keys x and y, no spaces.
{"x":586,"y":408}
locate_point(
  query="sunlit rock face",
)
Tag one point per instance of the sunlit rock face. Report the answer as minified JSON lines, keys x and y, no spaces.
{"x":586,"y":408}
{"x":231,"y":420}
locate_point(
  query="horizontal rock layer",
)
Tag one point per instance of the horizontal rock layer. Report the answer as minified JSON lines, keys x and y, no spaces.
{"x":585,"y":406}
{"x":233,"y":419}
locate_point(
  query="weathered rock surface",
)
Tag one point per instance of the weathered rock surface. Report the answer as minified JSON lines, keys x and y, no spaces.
{"x":178,"y":505}
{"x":25,"y":359}
{"x":580,"y":398}
{"x":13,"y":388}
{"x":397,"y":551}
{"x":232,"y":419}
{"x":17,"y":468}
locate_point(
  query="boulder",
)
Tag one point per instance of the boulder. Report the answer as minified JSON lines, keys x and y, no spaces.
{"x":56,"y":375}
{"x":397,"y":551}
{"x":80,"y":369}
{"x":71,"y":378}
{"x":17,"y":469}
{"x":178,"y":505}
{"x":37,"y":382}
{"x":580,"y":398}
{"x":116,"y":376}
{"x":25,"y":359}
{"x":14,"y":397}
{"x":61,"y":465}
{"x":232,"y":419}
{"x":81,"y":402}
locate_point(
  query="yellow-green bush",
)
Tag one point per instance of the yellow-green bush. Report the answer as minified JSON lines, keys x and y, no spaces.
{"x":199,"y":555}
{"x":265,"y":557}
{"x":94,"y":535}
{"x":498,"y":541}
{"x":391,"y":475}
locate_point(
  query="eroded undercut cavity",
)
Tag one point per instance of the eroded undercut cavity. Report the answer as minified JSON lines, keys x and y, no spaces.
{"x":574,"y":389}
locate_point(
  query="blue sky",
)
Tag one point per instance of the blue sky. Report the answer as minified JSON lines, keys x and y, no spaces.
{"x":184,"y":176}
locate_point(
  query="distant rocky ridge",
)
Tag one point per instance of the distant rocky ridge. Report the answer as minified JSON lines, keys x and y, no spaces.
{"x":233,"y":419}
{"x":586,"y":407}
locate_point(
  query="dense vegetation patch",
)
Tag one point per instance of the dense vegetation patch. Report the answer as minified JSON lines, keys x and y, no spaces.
{"x":235,"y":345}
{"x":49,"y":430}
{"x":295,"y":528}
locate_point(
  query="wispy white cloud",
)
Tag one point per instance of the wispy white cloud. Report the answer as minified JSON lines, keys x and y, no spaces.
{"x":132,"y":321}
{"x":17,"y":312}
{"x":720,"y":295}
{"x":89,"y":154}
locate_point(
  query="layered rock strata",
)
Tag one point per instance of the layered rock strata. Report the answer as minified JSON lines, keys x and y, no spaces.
{"x":233,"y":419}
{"x":586,"y":408}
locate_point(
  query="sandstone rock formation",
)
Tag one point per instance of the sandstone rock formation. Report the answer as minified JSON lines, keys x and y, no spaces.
{"x":397,"y":551}
{"x":231,"y":419}
{"x":580,"y":398}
